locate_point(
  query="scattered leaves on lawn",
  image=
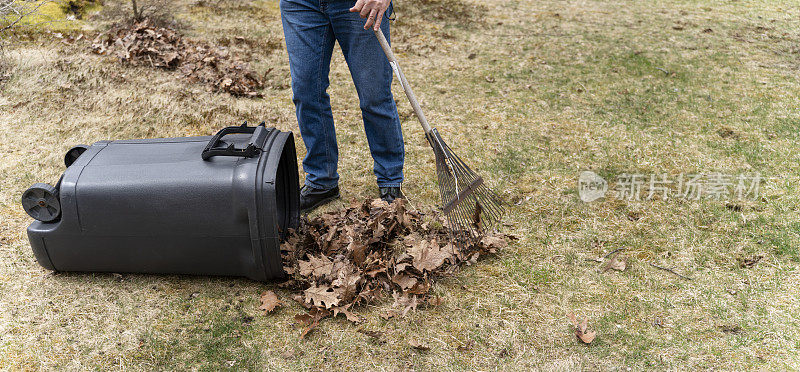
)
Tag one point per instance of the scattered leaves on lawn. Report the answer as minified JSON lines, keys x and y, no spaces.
{"x":581,"y":329}
{"x":749,"y":262}
{"x":730,"y":328}
{"x":469,"y":345}
{"x":310,"y":320}
{"x":435,"y":301}
{"x":142,"y":44}
{"x":615,"y":263}
{"x":370,"y":251}
{"x":269,"y":301}
{"x":377,"y":335}
{"x":416,"y":344}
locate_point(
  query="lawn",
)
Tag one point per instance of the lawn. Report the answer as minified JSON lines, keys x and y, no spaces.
{"x":530,"y":93}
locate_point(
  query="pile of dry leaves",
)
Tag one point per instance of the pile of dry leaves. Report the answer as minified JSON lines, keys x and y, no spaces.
{"x":368,"y":251}
{"x":143,"y":44}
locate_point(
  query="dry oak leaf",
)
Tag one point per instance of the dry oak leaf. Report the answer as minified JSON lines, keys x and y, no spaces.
{"x":315,"y":266}
{"x":749,"y":262}
{"x":467,"y":346}
{"x":615,"y":264}
{"x":346,"y":281}
{"x":435,"y":301}
{"x":310,"y":320}
{"x":420,"y":288}
{"x":269,"y":301}
{"x":428,"y":255}
{"x":374,"y":334}
{"x":418,"y":345}
{"x":307,"y":322}
{"x":404,"y":302}
{"x":322,"y":296}
{"x":404,"y":281}
{"x":580,"y":329}
{"x":493,"y":243}
{"x":358,"y":252}
{"x":351,"y":316}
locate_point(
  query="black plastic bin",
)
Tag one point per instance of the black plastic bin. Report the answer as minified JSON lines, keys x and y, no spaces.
{"x":216,"y":205}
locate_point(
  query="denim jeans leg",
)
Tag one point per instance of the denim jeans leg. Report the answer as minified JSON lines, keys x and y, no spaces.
{"x":309,"y":42}
{"x":372,"y":76}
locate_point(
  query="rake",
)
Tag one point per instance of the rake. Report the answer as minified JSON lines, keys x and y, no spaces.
{"x":470,"y":206}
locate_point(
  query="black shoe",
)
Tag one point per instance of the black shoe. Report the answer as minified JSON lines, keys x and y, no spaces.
{"x":311,"y":198}
{"x":389,"y":194}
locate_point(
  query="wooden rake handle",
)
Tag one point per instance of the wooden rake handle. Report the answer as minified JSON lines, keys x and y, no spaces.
{"x":403,"y":82}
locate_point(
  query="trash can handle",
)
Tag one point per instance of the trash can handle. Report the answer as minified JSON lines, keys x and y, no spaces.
{"x":252,"y":149}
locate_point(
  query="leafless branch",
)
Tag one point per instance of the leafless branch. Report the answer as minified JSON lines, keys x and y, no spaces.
{"x":18,"y":13}
{"x":614,"y":251}
{"x":670,"y":271}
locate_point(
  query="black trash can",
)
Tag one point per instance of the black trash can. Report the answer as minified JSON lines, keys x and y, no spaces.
{"x":216,"y":205}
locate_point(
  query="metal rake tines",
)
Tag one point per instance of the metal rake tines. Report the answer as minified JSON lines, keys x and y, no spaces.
{"x":470,"y":206}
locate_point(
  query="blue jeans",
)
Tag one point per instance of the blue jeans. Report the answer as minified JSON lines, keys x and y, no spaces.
{"x":311,"y":28}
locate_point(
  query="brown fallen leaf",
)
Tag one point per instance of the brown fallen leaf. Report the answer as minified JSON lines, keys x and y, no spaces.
{"x":358,"y":250}
{"x":749,"y":262}
{"x":316,"y":266}
{"x":404,"y":281}
{"x":428,"y":256}
{"x":307,"y":322}
{"x":418,"y":345}
{"x":469,"y":345}
{"x":351,"y":316}
{"x":289,"y":354}
{"x":494,"y":243}
{"x":374,"y":334}
{"x":404,"y":302}
{"x":580,"y":329}
{"x":269,"y":301}
{"x":322,"y":296}
{"x":615,"y":264}
{"x":435,"y":301}
{"x":310,"y":320}
{"x":476,"y":217}
{"x":389,"y":314}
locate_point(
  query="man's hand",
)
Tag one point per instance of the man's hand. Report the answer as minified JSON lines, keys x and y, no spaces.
{"x":372,"y":10}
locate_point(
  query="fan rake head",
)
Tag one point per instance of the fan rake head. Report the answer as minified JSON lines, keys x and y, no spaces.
{"x":470,"y":206}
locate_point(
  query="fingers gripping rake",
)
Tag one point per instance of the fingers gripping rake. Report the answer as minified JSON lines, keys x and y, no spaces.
{"x":470,"y":206}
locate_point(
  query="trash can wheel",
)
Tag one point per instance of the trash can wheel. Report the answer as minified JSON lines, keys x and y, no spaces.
{"x":41,"y":202}
{"x":74,"y":153}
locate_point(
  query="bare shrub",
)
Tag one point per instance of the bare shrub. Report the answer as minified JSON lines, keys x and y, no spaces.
{"x":159,"y":13}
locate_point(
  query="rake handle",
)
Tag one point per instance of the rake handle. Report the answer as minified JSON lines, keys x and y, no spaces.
{"x":403,"y":82}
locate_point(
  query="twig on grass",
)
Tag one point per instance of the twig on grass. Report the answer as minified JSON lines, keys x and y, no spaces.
{"x":670,"y":271}
{"x":612,"y":252}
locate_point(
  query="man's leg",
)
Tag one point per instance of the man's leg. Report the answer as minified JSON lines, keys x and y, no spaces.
{"x":372,"y":76}
{"x":309,"y":41}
